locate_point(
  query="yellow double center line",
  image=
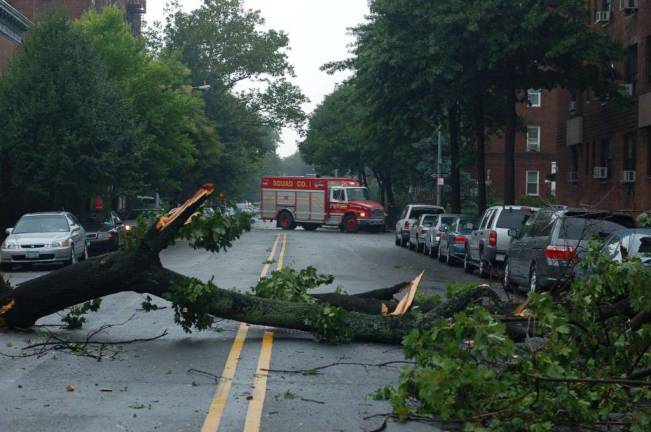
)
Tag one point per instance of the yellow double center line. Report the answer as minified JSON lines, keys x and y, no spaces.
{"x":254,"y":412}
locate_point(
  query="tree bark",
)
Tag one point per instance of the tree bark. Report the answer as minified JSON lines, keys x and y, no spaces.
{"x":141,"y":271}
{"x":481,"y":151}
{"x":455,"y":175}
{"x":509,"y":145}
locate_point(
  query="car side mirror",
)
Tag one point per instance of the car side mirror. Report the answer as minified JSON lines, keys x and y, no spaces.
{"x":9,"y":231}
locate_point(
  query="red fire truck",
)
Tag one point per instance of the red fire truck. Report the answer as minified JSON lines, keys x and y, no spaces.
{"x":311,"y":202}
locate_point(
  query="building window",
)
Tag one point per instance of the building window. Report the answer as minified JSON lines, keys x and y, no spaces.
{"x":630,"y":149}
{"x":534,"y":97}
{"x":648,"y":152}
{"x":533,"y":138}
{"x":533,"y":182}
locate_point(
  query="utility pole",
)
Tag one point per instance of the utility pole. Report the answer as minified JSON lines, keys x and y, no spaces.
{"x":438,"y":167}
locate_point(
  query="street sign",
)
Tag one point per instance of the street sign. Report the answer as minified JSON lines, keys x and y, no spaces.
{"x":441,"y":181}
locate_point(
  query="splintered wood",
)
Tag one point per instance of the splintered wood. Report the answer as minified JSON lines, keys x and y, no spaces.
{"x":408,"y":299}
{"x":170,"y":217}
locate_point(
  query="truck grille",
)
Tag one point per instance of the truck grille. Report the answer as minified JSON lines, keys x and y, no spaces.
{"x":378,"y":214}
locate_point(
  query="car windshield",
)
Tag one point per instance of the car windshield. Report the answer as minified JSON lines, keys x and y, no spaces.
{"x":466,"y":225}
{"x":357,"y":194}
{"x":447,"y":220}
{"x":96,"y":220}
{"x":512,"y":218}
{"x":428,"y":221}
{"x":584,"y":229}
{"x":417,"y":212}
{"x":41,"y":224}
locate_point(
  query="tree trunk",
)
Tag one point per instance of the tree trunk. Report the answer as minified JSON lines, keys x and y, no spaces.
{"x":509,"y":146}
{"x":141,"y":272}
{"x":455,"y":179}
{"x":481,"y":151}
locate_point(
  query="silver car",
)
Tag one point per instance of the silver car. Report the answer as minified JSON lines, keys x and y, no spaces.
{"x":44,"y":238}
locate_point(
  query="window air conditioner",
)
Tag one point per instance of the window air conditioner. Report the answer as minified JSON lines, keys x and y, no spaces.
{"x":602,"y":17}
{"x":600,"y":172}
{"x":628,"y":176}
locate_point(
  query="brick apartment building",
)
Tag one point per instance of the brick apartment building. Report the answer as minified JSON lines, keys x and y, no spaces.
{"x":605,"y":153}
{"x":11,"y":27}
{"x":600,"y":155}
{"x":536,"y":156}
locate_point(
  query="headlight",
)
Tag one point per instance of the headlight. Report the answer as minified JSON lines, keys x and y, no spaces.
{"x":60,"y":243}
{"x":9,"y":245}
{"x":362,"y":214}
{"x":127,"y":227}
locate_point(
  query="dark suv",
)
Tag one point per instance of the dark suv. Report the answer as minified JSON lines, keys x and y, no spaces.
{"x":544,"y":252}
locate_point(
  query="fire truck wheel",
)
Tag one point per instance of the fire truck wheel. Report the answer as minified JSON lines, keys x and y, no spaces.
{"x":286,"y":221}
{"x":350,"y":224}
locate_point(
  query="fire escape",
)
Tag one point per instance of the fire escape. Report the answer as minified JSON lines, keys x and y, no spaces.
{"x":135,"y":10}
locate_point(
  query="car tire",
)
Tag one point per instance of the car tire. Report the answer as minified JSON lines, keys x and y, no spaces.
{"x":398,"y":241}
{"x":351,"y":225}
{"x":484,"y":272}
{"x":84,"y":256}
{"x":449,"y":259}
{"x":73,"y":256}
{"x":507,"y":282}
{"x":286,"y":221}
{"x":467,"y":264}
{"x":5,"y":267}
{"x":420,"y":247}
{"x":533,"y":280}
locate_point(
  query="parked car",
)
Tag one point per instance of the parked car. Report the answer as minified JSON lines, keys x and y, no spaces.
{"x":434,"y":235}
{"x":544,"y":252}
{"x":419,"y":231}
{"x":103,"y":231}
{"x":408,"y":217}
{"x":629,"y":243}
{"x":131,"y":218}
{"x":488,"y":245}
{"x":452,"y":246}
{"x":55,"y":237}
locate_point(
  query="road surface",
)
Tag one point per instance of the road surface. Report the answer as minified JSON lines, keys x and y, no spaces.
{"x":217,"y":379}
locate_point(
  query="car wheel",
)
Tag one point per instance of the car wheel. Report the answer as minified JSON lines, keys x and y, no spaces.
{"x":483,"y":268}
{"x":467,"y":265}
{"x":449,"y":260}
{"x":84,"y":256}
{"x":533,"y":280}
{"x":397,"y":241}
{"x":73,"y":255}
{"x":286,"y":220}
{"x":350,"y":224}
{"x":420,"y":247}
{"x":507,"y":283}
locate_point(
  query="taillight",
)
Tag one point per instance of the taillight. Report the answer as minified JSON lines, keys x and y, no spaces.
{"x":423,"y":231}
{"x":460,"y":239}
{"x":492,"y":238}
{"x":560,"y":253}
{"x":406,"y":225}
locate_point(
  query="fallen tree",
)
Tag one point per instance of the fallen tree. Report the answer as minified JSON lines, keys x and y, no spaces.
{"x":333,"y":317}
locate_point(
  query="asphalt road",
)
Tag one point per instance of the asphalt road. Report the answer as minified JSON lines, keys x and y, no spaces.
{"x":180,"y":382}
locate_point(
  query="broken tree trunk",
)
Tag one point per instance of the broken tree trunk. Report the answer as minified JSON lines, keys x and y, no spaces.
{"x":141,"y":271}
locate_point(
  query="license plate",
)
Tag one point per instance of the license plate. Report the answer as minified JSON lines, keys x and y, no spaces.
{"x":31,"y":255}
{"x":499,"y":257}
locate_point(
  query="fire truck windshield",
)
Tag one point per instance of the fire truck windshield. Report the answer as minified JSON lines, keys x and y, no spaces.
{"x":357,"y":194}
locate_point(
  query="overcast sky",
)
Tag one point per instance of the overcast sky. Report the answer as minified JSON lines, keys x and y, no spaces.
{"x":318,"y":34}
